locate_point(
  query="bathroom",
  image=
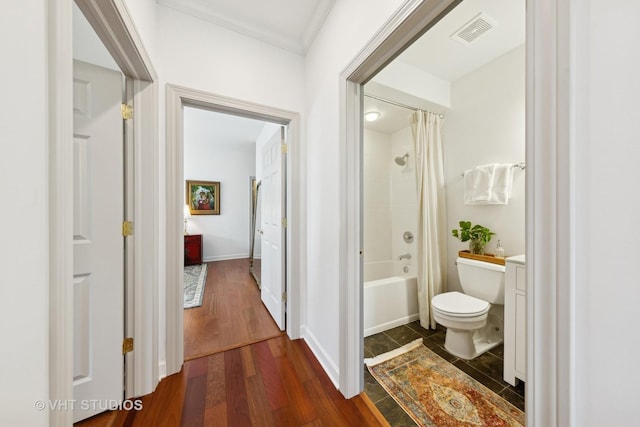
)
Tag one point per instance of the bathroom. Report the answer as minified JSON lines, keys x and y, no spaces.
{"x":479,"y":90}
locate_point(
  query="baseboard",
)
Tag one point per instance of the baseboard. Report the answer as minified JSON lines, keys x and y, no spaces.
{"x":162,"y":370}
{"x":225,"y":257}
{"x":325,"y":361}
{"x":392,"y":324}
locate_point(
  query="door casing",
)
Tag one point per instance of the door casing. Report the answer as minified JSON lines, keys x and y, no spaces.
{"x":111,"y":21}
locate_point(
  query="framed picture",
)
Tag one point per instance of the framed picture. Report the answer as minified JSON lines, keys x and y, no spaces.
{"x":203,"y":197}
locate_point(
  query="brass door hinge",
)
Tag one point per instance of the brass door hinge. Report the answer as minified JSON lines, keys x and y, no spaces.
{"x":284,"y":148}
{"x":127,"y":228}
{"x":284,"y":222}
{"x":127,"y":111}
{"x":127,"y":345}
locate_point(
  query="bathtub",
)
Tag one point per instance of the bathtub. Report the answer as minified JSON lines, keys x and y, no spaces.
{"x":390,"y":299}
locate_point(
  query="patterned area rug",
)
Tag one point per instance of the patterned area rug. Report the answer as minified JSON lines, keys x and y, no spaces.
{"x":436,"y":393}
{"x":195,"y":277}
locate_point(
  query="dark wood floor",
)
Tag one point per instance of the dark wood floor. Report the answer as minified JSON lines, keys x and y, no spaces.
{"x":273,"y":382}
{"x":231,"y":314}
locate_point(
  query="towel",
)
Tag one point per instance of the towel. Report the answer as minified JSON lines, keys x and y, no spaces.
{"x":502,"y":184}
{"x":478,"y":184}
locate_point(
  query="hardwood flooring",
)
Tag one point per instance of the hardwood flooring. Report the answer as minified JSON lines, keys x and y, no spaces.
{"x":231,"y":314}
{"x":258,"y":382}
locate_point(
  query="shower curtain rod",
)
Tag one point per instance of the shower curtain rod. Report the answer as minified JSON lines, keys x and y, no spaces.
{"x":388,"y":101}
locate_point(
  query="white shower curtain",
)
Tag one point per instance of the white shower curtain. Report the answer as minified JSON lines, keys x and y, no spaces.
{"x":432,"y":221}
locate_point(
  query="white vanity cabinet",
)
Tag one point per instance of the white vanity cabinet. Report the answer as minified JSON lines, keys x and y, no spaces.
{"x":515,"y":320}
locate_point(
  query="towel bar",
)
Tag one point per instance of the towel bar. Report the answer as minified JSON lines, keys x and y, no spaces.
{"x":520,"y":166}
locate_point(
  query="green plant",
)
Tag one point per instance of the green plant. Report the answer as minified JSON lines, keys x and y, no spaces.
{"x":476,"y":233}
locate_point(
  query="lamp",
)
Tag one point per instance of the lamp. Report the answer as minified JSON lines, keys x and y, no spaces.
{"x":371,"y":116}
{"x":187,"y":215}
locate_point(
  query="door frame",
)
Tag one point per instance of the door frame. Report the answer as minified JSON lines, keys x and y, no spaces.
{"x":549,"y":209}
{"x":177,"y":97}
{"x":114,"y":26}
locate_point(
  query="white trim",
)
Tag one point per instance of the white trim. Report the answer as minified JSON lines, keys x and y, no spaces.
{"x":409,"y":21}
{"x":176,"y":98}
{"x":226,"y":257}
{"x":119,"y":33}
{"x":60,"y":75}
{"x":550,"y":211}
{"x":323,"y":357}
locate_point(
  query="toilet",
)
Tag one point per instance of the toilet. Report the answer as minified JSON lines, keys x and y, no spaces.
{"x":474,"y":319}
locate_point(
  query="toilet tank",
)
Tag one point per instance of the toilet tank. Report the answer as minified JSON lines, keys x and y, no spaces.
{"x":481,"y":279}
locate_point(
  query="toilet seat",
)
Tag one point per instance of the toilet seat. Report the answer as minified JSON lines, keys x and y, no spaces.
{"x":457,"y":304}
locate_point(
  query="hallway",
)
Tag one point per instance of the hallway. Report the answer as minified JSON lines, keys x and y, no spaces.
{"x":242,"y":370}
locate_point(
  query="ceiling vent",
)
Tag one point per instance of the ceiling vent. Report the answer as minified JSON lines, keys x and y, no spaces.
{"x":473,"y":29}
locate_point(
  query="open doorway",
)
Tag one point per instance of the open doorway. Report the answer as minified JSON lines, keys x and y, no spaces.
{"x":224,"y":307}
{"x":387,"y":45}
{"x":177,"y":99}
{"x":466,"y":74}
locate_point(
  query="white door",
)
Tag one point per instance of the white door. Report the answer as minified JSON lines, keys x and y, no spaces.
{"x":98,"y":260}
{"x":273,"y":240}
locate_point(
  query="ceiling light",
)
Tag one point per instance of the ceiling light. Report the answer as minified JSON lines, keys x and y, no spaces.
{"x":371,"y":116}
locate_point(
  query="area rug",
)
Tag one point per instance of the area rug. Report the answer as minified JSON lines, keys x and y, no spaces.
{"x":435,"y":393}
{"x":195,"y":277}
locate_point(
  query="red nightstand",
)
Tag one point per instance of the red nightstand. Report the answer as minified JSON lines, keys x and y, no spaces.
{"x":193,"y":249}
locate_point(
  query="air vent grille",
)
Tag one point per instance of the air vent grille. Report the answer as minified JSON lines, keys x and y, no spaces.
{"x":473,"y":29}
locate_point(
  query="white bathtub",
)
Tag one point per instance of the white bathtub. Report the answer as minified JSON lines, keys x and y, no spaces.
{"x":390,"y":299}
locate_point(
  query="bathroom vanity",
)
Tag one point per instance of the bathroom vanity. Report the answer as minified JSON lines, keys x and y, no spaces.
{"x":515,"y":320}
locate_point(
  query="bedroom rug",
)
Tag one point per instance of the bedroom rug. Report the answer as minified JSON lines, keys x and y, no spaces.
{"x":195,"y":277}
{"x":435,"y":393}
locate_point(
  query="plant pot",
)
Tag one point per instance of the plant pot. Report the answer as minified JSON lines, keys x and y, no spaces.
{"x":476,"y":247}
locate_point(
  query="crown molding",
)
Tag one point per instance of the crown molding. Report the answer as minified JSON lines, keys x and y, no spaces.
{"x":299,"y":45}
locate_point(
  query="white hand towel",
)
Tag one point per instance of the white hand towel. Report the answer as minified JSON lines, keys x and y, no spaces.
{"x":478,"y":183}
{"x":502,"y":184}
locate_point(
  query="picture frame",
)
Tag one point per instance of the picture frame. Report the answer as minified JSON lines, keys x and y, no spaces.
{"x":203,"y":197}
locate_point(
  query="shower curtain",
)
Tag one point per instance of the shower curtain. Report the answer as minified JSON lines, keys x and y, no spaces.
{"x":432,"y":221}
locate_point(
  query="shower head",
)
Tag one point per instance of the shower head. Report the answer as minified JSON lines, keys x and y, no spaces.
{"x":402,"y":160}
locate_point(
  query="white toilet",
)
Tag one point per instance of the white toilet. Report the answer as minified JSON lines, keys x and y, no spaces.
{"x":474,"y":319}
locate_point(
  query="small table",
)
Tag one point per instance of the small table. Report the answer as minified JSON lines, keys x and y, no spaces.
{"x":192,"y":249}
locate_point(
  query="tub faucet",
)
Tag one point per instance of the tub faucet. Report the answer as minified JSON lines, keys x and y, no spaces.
{"x":404,"y":256}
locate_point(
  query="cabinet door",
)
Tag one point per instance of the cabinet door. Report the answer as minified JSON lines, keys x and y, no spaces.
{"x":521,"y":336}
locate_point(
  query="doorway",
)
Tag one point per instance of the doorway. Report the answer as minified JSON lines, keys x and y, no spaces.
{"x":177,"y":99}
{"x":224,"y":307}
{"x":477,"y":87}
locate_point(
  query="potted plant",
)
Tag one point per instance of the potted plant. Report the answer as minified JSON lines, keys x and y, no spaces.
{"x":477,"y":235}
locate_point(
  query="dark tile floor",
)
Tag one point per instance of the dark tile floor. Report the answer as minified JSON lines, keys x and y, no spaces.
{"x":486,"y":368}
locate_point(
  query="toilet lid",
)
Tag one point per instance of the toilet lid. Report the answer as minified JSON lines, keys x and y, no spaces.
{"x":458,"y":304}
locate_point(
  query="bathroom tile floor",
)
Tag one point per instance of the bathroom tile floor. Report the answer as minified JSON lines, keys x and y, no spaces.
{"x":486,"y":368}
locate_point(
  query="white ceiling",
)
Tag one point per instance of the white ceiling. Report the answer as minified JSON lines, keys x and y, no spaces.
{"x":204,"y":127}
{"x":288,"y":24}
{"x":436,"y":53}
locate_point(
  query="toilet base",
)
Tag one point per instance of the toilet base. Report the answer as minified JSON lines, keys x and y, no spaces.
{"x":467,"y":344}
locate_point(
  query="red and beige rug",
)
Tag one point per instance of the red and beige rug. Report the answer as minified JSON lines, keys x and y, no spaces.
{"x":435,"y":393}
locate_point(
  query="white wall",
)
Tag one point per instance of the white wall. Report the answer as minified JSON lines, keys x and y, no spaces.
{"x":24,"y":362}
{"x":486,"y":125}
{"x":348,"y":27}
{"x":224,"y":236}
{"x":606,"y":152}
{"x":376,"y":196}
{"x":198,"y":55}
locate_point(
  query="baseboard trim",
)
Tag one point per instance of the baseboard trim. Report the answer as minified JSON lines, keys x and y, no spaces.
{"x":318,"y":351}
{"x":225,"y":257}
